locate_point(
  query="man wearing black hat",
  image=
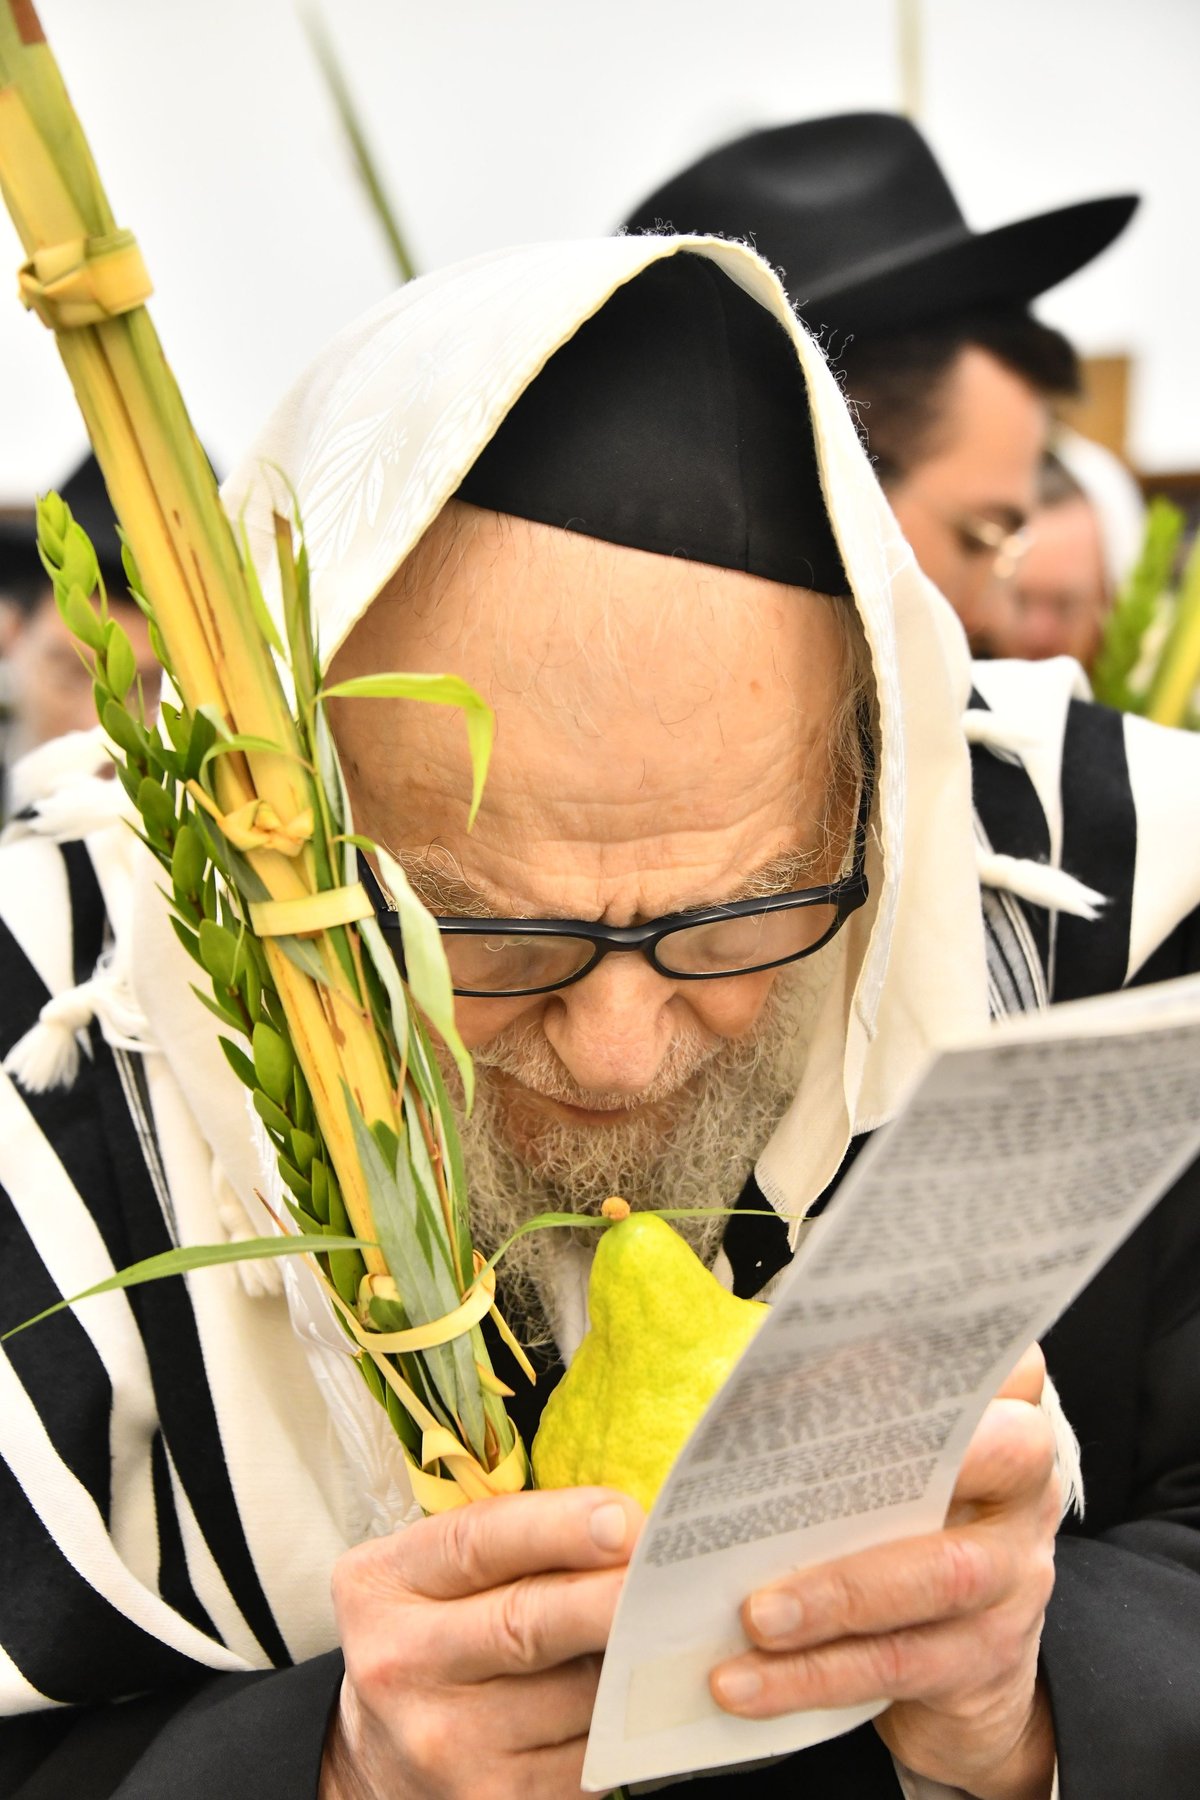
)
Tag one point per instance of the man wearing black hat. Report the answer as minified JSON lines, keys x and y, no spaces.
{"x":49,"y":689}
{"x":926,"y":320}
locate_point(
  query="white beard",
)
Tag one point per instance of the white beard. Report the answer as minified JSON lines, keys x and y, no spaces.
{"x":690,"y":1140}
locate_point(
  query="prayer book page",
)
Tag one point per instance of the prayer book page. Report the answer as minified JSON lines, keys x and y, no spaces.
{"x":964,"y":1229}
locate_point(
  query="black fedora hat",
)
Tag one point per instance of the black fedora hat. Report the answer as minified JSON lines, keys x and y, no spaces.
{"x":861,"y":221}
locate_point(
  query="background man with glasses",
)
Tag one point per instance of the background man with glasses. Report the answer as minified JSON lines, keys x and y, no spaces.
{"x":926,"y":321}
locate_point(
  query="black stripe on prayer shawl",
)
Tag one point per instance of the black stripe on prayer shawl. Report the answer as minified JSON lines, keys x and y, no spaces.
{"x":174,"y":1577}
{"x":1099,"y":848}
{"x":93,"y":1652}
{"x":134,"y":1228}
{"x":57,"y":1364}
{"x":164,"y":1315}
{"x":95,"y":1138}
{"x":1013,"y":821}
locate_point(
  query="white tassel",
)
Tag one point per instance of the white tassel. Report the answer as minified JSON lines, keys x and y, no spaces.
{"x":59,"y":763}
{"x":1038,"y":883}
{"x":1066,"y":1451}
{"x":999,"y":733}
{"x":90,"y":803}
{"x":262,"y":1280}
{"x":48,"y":1054}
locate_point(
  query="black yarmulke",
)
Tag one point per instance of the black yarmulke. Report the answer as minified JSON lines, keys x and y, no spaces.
{"x":676,"y":421}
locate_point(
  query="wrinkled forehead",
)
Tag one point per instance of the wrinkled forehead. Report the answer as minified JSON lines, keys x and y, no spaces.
{"x":647,"y":708}
{"x":553,"y":622}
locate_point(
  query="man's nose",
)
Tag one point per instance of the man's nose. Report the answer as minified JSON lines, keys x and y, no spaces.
{"x":613,"y":1029}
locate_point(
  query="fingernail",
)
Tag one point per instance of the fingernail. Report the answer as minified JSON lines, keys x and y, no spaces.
{"x":774,"y":1615}
{"x":738,"y":1685}
{"x":608,"y":1526}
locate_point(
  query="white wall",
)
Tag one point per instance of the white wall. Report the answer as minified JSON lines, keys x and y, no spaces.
{"x":504,"y":120}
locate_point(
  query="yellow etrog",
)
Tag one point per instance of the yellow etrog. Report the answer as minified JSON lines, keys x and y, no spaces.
{"x":663,"y":1336}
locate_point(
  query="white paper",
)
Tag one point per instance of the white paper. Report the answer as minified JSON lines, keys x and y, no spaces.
{"x":963,"y":1231}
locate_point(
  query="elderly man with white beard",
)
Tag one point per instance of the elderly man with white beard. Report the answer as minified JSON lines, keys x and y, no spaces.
{"x":737,"y":867}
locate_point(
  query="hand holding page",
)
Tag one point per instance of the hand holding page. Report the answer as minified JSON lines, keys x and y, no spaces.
{"x":963,"y":1231}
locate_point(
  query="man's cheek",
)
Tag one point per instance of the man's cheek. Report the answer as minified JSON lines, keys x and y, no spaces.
{"x":729,"y":1009}
{"x":480,"y":1021}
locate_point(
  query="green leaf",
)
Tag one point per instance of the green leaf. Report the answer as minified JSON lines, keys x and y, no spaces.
{"x":249,"y":980}
{"x":178,"y":724}
{"x":133,"y":580}
{"x":301,"y":1100}
{"x":78,"y":562}
{"x":53,"y":518}
{"x":318,"y":1180}
{"x":258,"y":606}
{"x":346,"y":1270}
{"x":189,"y":860}
{"x":124,"y":731}
{"x":219,"y":953}
{"x":225,"y":1014}
{"x":186,"y":1260}
{"x":304,"y":1149}
{"x":270,"y":1113}
{"x":80,"y":618}
{"x":303,"y":953}
{"x":295,"y":1181}
{"x":1136,"y":608}
{"x":239,"y":1062}
{"x":373,"y":1379}
{"x":155,"y":806}
{"x":440,"y":690}
{"x":425,"y":966}
{"x":120,"y":664}
{"x":187,"y":937}
{"x":273,"y":1063}
{"x":408,"y":1221}
{"x":158,"y":644}
{"x":297,"y":616}
{"x":130,"y":779}
{"x":246,"y":741}
{"x":203,"y":737}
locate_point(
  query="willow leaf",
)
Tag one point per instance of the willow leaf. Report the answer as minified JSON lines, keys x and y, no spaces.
{"x":258,"y":605}
{"x":188,"y":1258}
{"x":425,"y":967}
{"x":438,"y":690}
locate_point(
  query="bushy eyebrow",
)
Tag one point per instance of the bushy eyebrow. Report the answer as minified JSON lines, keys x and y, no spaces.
{"x":442,"y":886}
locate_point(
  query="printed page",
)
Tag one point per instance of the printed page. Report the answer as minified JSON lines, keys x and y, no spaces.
{"x":963,"y":1231}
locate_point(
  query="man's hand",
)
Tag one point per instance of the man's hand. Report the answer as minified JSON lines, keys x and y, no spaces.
{"x":945,"y":1626}
{"x":472,"y":1645}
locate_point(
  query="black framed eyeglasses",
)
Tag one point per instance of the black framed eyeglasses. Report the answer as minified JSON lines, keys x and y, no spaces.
{"x":502,"y":959}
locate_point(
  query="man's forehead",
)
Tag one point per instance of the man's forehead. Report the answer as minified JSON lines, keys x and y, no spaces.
{"x":566,"y":620}
{"x":654,"y":719}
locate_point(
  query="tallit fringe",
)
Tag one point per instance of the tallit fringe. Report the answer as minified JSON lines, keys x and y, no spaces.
{"x":1066,"y":1451}
{"x":260,"y":1280}
{"x":1038,"y":883}
{"x":87,"y":804}
{"x":998,"y":732}
{"x":48,"y":1054}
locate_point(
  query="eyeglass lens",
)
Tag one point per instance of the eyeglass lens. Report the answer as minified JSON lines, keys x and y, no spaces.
{"x":513,"y":963}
